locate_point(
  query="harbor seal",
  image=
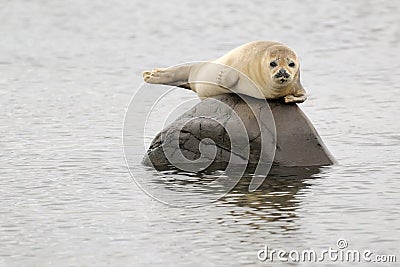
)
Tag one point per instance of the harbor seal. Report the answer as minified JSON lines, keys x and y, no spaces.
{"x":261,"y":69}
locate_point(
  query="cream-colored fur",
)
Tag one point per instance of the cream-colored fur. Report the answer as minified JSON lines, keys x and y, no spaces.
{"x":247,"y":69}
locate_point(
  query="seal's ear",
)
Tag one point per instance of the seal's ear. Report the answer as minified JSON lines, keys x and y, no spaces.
{"x":298,"y":89}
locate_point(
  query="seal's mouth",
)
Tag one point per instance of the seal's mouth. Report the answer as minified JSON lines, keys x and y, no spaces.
{"x":281,"y":80}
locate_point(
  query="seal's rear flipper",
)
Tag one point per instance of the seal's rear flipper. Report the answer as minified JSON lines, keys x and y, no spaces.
{"x":176,"y":76}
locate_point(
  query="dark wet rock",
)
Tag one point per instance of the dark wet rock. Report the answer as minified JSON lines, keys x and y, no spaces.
{"x":297,"y":141}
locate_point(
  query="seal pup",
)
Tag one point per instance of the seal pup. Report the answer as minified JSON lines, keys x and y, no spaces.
{"x":261,"y":69}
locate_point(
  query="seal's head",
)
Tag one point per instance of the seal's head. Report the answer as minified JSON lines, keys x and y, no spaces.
{"x":282,"y":65}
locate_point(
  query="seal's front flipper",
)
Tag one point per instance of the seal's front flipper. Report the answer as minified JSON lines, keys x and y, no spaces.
{"x":228,"y":77}
{"x":295,"y":99}
{"x":297,"y":94}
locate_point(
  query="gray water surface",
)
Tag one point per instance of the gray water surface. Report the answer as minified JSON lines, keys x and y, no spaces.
{"x":68,"y":70}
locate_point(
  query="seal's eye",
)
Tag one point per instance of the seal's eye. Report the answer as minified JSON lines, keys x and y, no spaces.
{"x":273,"y":64}
{"x":292,"y":65}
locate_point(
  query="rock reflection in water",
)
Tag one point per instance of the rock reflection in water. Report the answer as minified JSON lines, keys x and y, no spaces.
{"x":277,"y":199}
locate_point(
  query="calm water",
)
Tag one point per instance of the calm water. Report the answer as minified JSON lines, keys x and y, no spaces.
{"x":68,"y":70}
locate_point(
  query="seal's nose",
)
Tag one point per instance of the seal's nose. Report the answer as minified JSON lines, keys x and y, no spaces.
{"x":282,"y":73}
